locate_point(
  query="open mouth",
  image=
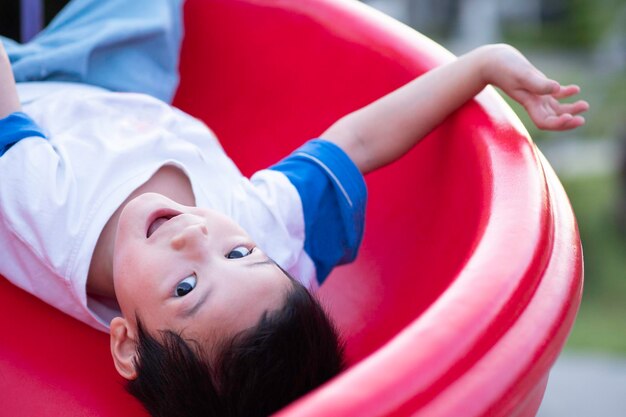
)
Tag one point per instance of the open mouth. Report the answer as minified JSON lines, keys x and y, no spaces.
{"x":158,"y":222}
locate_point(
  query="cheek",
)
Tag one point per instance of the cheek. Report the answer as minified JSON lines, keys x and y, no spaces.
{"x":132,"y":260}
{"x":129,"y":277}
{"x":122,"y":251}
{"x":123,"y":267}
{"x":136,"y":294}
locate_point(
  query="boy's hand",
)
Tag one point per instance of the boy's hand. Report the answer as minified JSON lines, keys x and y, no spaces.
{"x":508,"y":69}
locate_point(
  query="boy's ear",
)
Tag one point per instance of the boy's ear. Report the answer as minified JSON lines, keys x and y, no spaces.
{"x":123,"y":348}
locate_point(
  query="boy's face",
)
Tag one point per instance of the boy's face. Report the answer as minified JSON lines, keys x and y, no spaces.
{"x":191,"y":270}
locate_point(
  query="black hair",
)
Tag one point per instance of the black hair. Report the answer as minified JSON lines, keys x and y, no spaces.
{"x":254,"y":373}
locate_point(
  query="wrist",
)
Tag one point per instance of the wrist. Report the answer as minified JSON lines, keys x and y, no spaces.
{"x":488,"y":61}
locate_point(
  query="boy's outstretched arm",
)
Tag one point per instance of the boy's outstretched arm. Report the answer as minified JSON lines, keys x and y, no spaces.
{"x":386,"y":129}
{"x":9,"y":100}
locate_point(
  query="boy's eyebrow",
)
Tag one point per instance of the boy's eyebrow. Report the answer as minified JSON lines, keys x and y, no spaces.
{"x":191,"y":311}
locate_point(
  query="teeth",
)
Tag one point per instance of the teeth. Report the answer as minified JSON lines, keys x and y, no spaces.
{"x":156,"y":224}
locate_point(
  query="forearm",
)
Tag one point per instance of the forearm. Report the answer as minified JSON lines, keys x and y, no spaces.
{"x":9,"y":100}
{"x":389,"y":127}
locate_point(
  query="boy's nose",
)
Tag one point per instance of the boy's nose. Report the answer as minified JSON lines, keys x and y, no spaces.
{"x":191,"y":236}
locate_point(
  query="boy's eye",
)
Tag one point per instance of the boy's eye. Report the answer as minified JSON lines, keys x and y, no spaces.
{"x":239,"y":252}
{"x":185,"y":286}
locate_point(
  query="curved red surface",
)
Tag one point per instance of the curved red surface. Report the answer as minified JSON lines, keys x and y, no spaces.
{"x":470,"y":273}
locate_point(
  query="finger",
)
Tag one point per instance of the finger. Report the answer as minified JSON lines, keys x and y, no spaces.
{"x":578,"y":121}
{"x":571,"y":108}
{"x":554,"y":122}
{"x":566,"y":91}
{"x":562,"y":122}
{"x":539,"y":84}
{"x":573,"y":123}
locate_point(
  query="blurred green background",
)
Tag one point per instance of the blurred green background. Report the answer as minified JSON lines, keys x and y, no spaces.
{"x":573,"y":41}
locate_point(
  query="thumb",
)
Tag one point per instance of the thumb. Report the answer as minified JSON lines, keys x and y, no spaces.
{"x":539,"y":84}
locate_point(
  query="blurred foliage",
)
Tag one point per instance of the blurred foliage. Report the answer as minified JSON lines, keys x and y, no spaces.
{"x":566,"y":24}
{"x":601,"y":322}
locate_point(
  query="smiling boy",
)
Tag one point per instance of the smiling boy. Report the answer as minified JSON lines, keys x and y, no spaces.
{"x":185,"y":281}
{"x":125,"y":213}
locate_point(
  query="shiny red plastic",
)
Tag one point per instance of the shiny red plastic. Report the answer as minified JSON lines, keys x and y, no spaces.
{"x":470,"y":274}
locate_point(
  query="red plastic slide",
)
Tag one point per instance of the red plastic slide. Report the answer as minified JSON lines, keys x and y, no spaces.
{"x":470,"y":274}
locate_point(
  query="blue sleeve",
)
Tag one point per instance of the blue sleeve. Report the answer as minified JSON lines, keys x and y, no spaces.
{"x":16,"y":127}
{"x":333,"y":195}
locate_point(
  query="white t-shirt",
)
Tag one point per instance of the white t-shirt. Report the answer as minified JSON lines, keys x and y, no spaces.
{"x":57,"y":194}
